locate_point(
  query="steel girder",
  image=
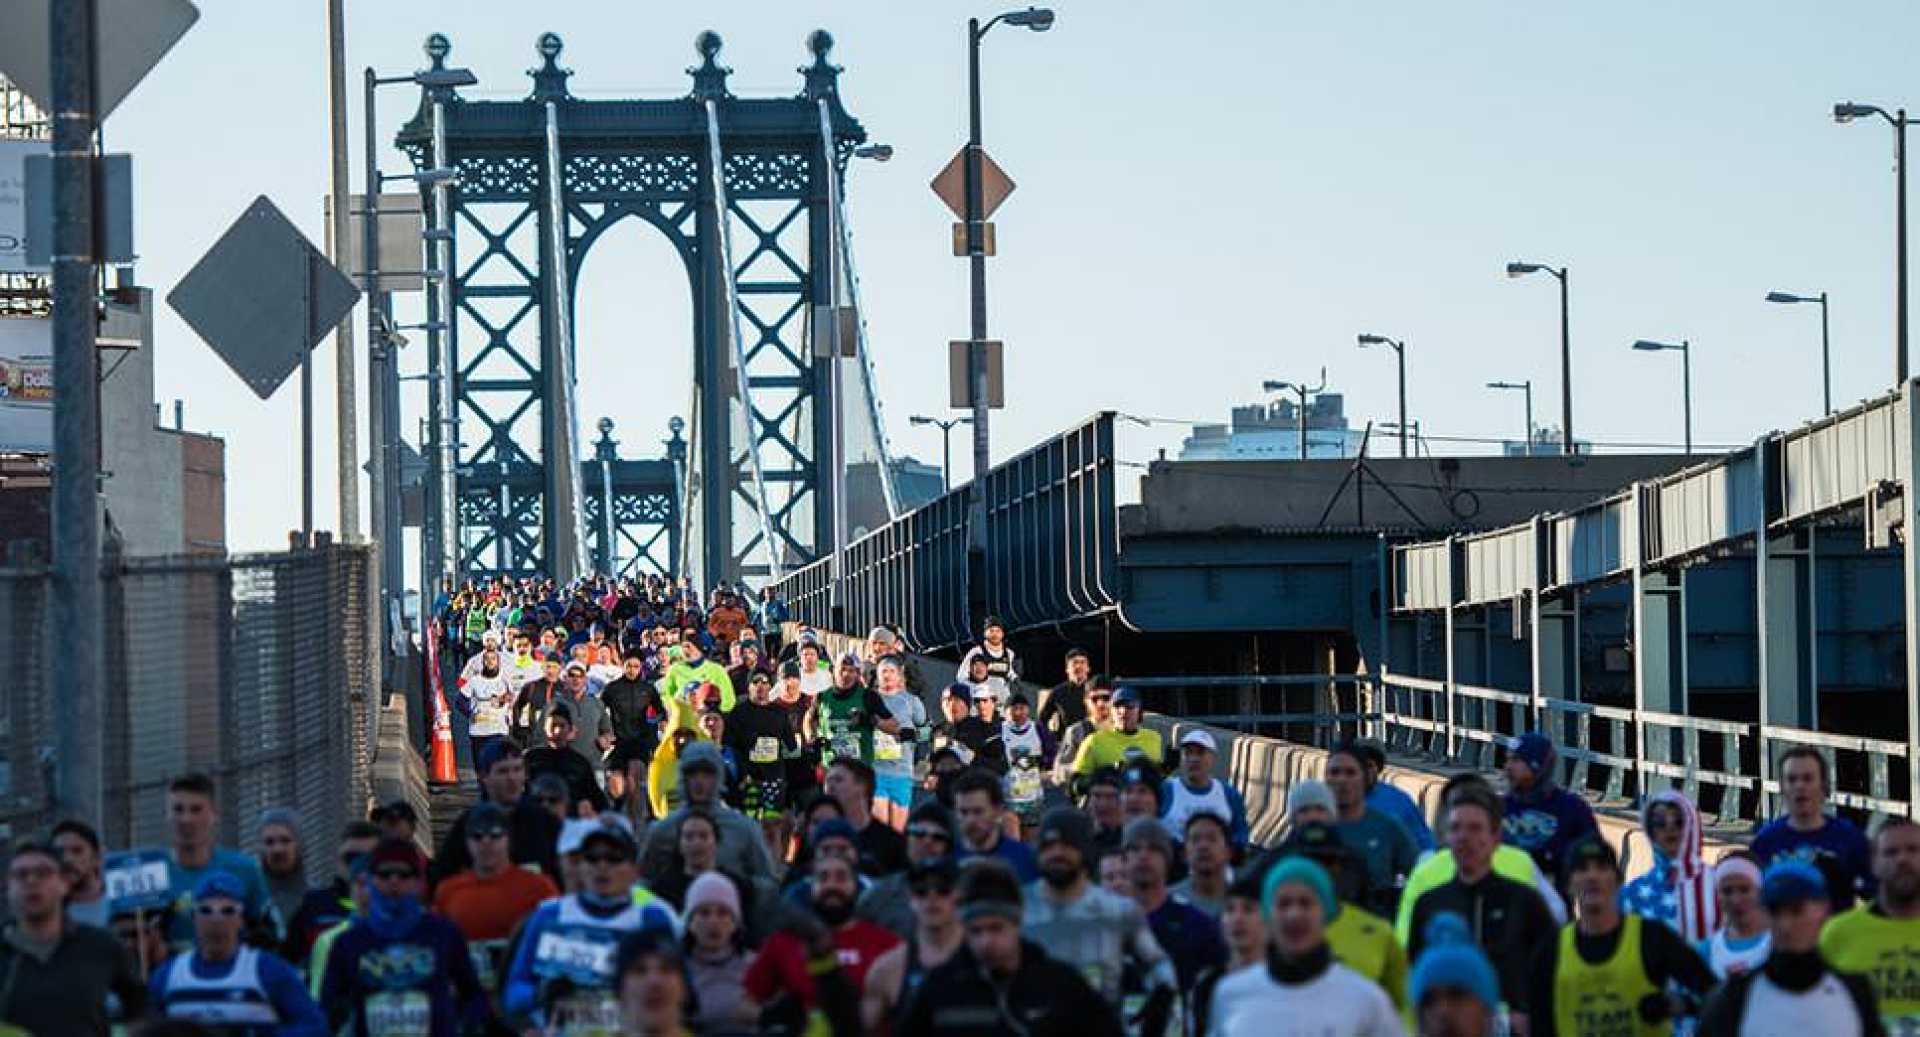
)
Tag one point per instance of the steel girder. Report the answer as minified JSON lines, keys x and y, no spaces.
{"x":644,"y":159}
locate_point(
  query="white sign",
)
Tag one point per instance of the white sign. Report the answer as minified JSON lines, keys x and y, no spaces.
{"x":13,"y":204}
{"x":137,"y":879}
{"x":26,"y":385}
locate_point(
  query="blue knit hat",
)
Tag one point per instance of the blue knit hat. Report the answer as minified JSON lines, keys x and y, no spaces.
{"x":1791,"y":881}
{"x":1452,"y":960}
{"x":1305,"y":872}
{"x":1535,"y":749}
{"x":220,"y":884}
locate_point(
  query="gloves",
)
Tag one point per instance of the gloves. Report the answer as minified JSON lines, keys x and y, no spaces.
{"x":907,"y":734}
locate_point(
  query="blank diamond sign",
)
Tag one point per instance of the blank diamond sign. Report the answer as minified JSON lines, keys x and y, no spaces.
{"x":263,"y":296}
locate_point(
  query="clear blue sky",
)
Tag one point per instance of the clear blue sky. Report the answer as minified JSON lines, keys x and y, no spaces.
{"x":1209,"y":194}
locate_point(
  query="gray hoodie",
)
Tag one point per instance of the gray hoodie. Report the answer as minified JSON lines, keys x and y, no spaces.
{"x":742,"y":850}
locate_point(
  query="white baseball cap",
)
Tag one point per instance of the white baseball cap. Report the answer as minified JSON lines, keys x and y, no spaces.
{"x":1203,"y":739}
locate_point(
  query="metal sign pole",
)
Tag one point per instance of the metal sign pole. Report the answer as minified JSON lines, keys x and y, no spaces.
{"x":306,"y":411}
{"x":77,"y":605}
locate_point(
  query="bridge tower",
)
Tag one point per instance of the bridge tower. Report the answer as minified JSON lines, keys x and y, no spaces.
{"x":741,"y":188}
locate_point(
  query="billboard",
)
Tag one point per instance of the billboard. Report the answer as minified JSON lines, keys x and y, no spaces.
{"x":26,"y":385}
{"x":13,"y":204}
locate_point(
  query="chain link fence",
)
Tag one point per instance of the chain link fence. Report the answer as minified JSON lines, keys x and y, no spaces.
{"x":257,"y":670}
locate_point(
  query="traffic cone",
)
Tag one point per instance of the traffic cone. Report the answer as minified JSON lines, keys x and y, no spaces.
{"x":442,"y":770}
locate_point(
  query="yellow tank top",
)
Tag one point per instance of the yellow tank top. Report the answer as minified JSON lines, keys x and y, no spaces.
{"x":1884,"y":950}
{"x":1604,"y":1000}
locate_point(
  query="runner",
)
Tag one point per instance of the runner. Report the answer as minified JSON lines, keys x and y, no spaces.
{"x":1300,"y":981}
{"x":1029,"y":748}
{"x":1195,"y":789}
{"x":1746,"y":939}
{"x":1677,"y":890}
{"x":742,"y":851}
{"x":56,"y":974}
{"x":1807,"y":832}
{"x":897,"y":976}
{"x":883,"y":850}
{"x":888,"y":902}
{"x":895,"y":753}
{"x":845,"y":717}
{"x":1609,"y":972}
{"x":999,"y":983}
{"x":1096,"y":932}
{"x":717,"y":956}
{"x":1099,"y":717}
{"x":980,"y":805}
{"x":1796,"y":992}
{"x":1209,"y":863}
{"x":81,"y":860}
{"x":1881,"y":939}
{"x":224,"y":984}
{"x":1379,"y":843}
{"x":1541,"y":817}
{"x":1361,"y":940}
{"x":1390,"y":799}
{"x":1003,"y":667}
{"x":488,"y":900}
{"x":1453,"y":988}
{"x":503,"y":781}
{"x":1110,"y":747}
{"x":1065,"y":704}
{"x":192,"y":818}
{"x":399,"y":970}
{"x":563,"y":973}
{"x":762,"y":739}
{"x":782,"y":966}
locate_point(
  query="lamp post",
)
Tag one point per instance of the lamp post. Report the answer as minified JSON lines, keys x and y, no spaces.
{"x":1826,"y":356}
{"x":384,"y":338}
{"x":1520,"y":269}
{"x":1686,"y":380}
{"x":1037,"y":19}
{"x":946,"y":442}
{"x":1846,"y":112}
{"x":1400,"y":355}
{"x":1302,"y":390}
{"x":1526,"y":387}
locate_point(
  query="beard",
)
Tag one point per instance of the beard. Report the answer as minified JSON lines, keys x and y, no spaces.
{"x":1059,"y":875}
{"x":833,"y":909}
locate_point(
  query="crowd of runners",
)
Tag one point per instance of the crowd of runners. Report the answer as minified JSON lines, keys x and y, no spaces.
{"x":684,"y":825}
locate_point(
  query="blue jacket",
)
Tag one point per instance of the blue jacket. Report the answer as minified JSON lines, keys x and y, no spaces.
{"x":1394,"y":802}
{"x":430,"y":960}
{"x":1544,"y":822}
{"x":590,"y":937}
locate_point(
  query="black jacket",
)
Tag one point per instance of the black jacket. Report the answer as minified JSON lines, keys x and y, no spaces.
{"x":582,"y":786}
{"x":1508,"y":920}
{"x":1043,"y":999}
{"x":627,"y":702}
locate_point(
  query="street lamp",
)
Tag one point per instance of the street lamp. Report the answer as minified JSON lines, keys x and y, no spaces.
{"x":1518,"y":269}
{"x":1686,"y":380}
{"x":1526,"y":387}
{"x":1302,"y":390}
{"x":946,"y":443}
{"x":1846,"y":112}
{"x":1826,"y":365}
{"x":1400,"y":354}
{"x":1037,"y":19}
{"x":383,"y":337}
{"x":876,"y":152}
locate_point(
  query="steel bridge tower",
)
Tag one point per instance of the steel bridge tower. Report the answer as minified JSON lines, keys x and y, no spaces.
{"x":744,"y":188}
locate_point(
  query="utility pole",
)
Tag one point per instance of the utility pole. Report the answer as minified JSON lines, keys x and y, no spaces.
{"x":77,"y":600}
{"x":976,"y":349}
{"x":347,"y":456}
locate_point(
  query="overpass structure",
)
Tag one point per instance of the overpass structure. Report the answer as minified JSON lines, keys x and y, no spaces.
{"x":1766,"y":599}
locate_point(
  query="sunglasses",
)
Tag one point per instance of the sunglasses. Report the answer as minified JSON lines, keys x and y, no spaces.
{"x":928,"y":833}
{"x":605,"y":858}
{"x":1099,"y":698}
{"x":395,"y":874}
{"x":931,"y":889}
{"x":217,"y":910}
{"x":494,"y":833}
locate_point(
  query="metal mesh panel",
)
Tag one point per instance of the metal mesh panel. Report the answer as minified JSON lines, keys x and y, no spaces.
{"x":256,"y":670}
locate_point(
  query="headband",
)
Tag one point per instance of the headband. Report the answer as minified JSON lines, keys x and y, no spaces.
{"x":1736,"y":865}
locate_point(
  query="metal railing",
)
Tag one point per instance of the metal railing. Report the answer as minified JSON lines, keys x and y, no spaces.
{"x":256,"y":670}
{"x":1052,"y":550}
{"x":1335,"y":707}
{"x":1619,"y":753}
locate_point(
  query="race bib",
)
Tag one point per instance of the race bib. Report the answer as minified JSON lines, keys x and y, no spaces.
{"x":845,"y":745}
{"x":399,"y":1013}
{"x":484,"y":955}
{"x":581,"y":955}
{"x":587,"y":1013}
{"x":766,"y":749}
{"x":1023,"y":785}
{"x":885,"y":746}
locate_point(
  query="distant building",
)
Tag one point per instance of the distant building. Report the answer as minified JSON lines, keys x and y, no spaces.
{"x":1546,"y":442}
{"x":1271,"y":432}
{"x":914,"y":483}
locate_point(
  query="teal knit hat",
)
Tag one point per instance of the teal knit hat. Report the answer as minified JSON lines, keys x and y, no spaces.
{"x":1306,"y":873}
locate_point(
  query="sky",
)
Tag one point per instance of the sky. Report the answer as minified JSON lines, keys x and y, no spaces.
{"x":1210,"y":195}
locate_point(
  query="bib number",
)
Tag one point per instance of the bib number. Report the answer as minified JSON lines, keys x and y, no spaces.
{"x":1023,"y":785}
{"x":581,"y":956}
{"x":766,"y":749}
{"x":399,"y":1013}
{"x":847,"y":745}
{"x":591,"y":1013}
{"x":885,"y":746}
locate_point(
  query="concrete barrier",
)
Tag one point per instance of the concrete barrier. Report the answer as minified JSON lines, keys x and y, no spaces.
{"x":1265,"y":770}
{"x":398,"y":771}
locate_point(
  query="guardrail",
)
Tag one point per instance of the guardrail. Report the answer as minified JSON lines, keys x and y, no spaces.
{"x":1622,"y":753}
{"x":1238,"y":702}
{"x":1052,"y":541}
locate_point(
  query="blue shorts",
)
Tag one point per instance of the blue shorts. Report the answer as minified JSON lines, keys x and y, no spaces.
{"x":895,"y":788}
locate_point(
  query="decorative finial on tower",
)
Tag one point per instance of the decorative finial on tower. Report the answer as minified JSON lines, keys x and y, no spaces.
{"x":437,"y":48}
{"x":710,"y":78}
{"x":549,"y":80}
{"x":822,"y":76}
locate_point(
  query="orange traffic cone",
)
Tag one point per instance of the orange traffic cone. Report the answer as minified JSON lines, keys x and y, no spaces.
{"x":441,"y":767}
